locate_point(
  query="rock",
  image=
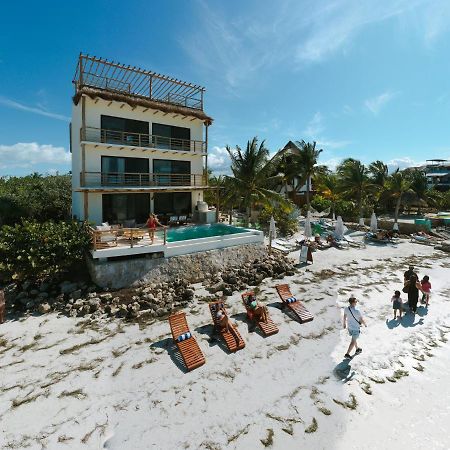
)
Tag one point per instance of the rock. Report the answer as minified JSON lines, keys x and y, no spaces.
{"x":92,"y":294}
{"x":75,"y":295}
{"x":26,"y":285}
{"x":160,"y":312}
{"x":106,"y":296}
{"x":34,"y":293}
{"x":44,"y":308}
{"x":227,"y":291}
{"x":30,"y":304}
{"x":94,"y":304}
{"x":44,"y":287}
{"x":67,"y":287}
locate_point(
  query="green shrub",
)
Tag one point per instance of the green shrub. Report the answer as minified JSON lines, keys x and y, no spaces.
{"x":41,"y":251}
{"x":285,"y":217}
{"x":35,"y":197}
{"x":320,"y":203}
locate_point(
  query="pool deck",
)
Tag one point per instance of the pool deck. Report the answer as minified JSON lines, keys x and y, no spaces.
{"x":144,"y":246}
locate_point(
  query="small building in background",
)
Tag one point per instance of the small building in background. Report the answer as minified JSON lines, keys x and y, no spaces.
{"x":437,"y":172}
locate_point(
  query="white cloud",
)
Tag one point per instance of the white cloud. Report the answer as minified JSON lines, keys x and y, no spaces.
{"x":238,"y":45}
{"x":29,"y":154}
{"x":331,"y":163}
{"x":314,"y":127}
{"x":35,"y":110}
{"x":375,"y":104}
{"x":219,"y":161}
{"x":327,"y":143}
{"x":403,"y":163}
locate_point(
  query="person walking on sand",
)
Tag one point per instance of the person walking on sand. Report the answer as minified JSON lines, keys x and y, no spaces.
{"x":353,"y":320}
{"x":426,"y":290}
{"x":408,"y":273}
{"x":397,"y":305}
{"x":412,"y":287}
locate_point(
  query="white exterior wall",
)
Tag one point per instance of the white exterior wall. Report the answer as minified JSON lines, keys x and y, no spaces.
{"x":93,"y":153}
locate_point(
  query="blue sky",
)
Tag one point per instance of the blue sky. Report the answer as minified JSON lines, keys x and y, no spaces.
{"x":365,"y":79}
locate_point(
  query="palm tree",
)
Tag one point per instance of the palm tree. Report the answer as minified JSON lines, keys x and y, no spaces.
{"x":419,"y":184}
{"x":328,"y":186}
{"x":379,"y":172}
{"x":306,"y":161}
{"x":251,"y":174}
{"x":285,"y":168}
{"x":355,"y":181}
{"x":397,"y":184}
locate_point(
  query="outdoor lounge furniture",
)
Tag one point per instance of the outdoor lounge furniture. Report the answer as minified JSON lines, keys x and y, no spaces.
{"x":103,"y":236}
{"x":231,"y":342}
{"x":268,"y":328}
{"x":185,"y":342}
{"x":182,"y":220}
{"x":134,"y":233}
{"x":296,"y":306}
{"x":173,"y":220}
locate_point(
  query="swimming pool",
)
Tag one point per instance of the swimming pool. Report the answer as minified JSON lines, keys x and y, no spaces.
{"x":201,"y":231}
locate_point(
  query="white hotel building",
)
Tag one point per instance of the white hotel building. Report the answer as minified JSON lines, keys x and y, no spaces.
{"x":139,"y":143}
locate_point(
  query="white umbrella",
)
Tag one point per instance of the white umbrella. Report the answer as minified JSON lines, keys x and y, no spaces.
{"x":361,"y":221}
{"x":272,"y":229}
{"x":334,"y":217}
{"x":308,"y":232}
{"x":373,"y":223}
{"x":339,"y":228}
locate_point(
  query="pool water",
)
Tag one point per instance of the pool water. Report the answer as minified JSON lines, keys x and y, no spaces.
{"x":201,"y":231}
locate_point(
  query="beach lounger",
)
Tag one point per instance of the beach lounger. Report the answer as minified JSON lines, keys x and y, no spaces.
{"x":182,"y":220}
{"x":231,"y":342}
{"x":173,"y":220}
{"x":268,"y":328}
{"x":186,"y":343}
{"x":280,"y":248}
{"x":354,"y":243}
{"x":296,"y":306}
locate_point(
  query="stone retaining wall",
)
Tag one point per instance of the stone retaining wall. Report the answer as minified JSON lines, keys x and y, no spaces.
{"x":193,"y":268}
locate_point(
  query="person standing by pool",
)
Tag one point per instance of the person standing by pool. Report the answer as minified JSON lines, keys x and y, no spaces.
{"x":353,"y":320}
{"x":152,"y":223}
{"x":412,"y":287}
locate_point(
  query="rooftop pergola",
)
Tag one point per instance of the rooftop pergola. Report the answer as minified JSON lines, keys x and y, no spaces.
{"x":134,"y":82}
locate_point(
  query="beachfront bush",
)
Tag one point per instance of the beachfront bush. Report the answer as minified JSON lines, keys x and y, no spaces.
{"x":36,"y":251}
{"x":286,"y":217}
{"x":320,"y":203}
{"x":35,"y":197}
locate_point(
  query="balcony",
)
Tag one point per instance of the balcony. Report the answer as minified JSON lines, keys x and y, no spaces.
{"x":141,"y":180}
{"x":126,"y":138}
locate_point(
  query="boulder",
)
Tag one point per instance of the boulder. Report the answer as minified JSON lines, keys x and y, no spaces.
{"x":75,"y":294}
{"x":44,"y":308}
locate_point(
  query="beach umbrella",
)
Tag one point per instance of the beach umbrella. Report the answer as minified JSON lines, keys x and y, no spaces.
{"x":272,"y":229}
{"x":334,"y":217}
{"x":339,"y":228}
{"x":361,"y":221}
{"x":373,"y":223}
{"x":308,"y":232}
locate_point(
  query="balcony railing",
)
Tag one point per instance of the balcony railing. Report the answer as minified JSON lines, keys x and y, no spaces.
{"x":125,"y":179}
{"x":115,"y":137}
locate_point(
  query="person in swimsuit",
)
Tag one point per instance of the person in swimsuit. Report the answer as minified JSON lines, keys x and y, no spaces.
{"x":260,"y":311}
{"x":152,"y":223}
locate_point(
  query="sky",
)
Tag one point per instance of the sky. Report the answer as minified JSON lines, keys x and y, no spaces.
{"x":365,"y":79}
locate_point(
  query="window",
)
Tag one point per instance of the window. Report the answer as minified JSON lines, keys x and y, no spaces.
{"x":117,"y":130}
{"x":172,"y":172}
{"x":173,"y":138}
{"x":173,"y":203}
{"x":121,"y":171}
{"x":120,"y":207}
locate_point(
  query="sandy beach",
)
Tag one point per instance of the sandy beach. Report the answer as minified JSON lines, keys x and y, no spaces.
{"x":68,"y":383}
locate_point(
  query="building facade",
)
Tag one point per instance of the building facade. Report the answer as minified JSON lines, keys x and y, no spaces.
{"x":437,"y":172}
{"x":139,"y":143}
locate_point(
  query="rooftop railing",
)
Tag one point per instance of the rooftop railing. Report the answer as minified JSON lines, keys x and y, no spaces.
{"x":127,"y":179}
{"x":115,"y":137}
{"x":114,"y":77}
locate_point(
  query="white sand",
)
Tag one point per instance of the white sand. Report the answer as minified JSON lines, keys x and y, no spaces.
{"x":124,"y":389}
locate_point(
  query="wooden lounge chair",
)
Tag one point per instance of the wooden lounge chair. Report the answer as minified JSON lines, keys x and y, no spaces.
{"x":268,"y":328}
{"x":186,"y":343}
{"x":232,"y":343}
{"x":296,"y":306}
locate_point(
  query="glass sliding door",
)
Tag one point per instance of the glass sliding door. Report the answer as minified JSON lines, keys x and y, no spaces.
{"x":125,"y":171}
{"x":118,"y":208}
{"x":170,"y":137}
{"x":172,"y":172}
{"x":179,"y":203}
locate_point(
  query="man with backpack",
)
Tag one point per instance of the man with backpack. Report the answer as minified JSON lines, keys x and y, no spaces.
{"x":353,"y":320}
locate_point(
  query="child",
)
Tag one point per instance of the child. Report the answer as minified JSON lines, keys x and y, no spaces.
{"x":397,"y":305}
{"x":426,"y":290}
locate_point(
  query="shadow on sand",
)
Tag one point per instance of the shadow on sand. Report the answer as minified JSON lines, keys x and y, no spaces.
{"x":408,"y":320}
{"x":343,"y":371}
{"x":168,"y":345}
{"x":213,"y":335}
{"x":251,"y":326}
